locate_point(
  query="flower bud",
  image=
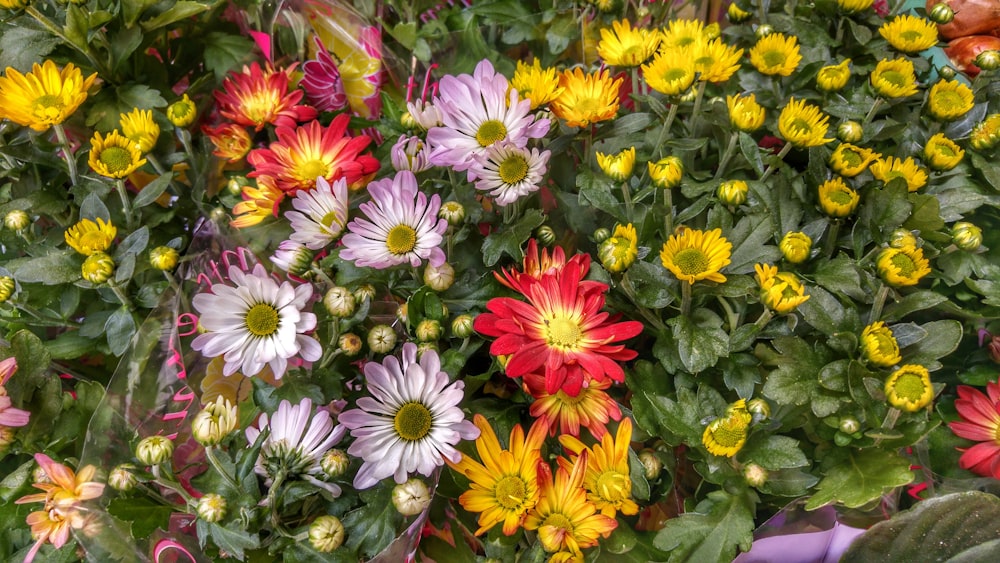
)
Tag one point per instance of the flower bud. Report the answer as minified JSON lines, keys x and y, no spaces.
{"x":339,"y":302}
{"x":618,"y":166}
{"x":426,"y":347}
{"x":795,"y":247}
{"x":713,"y":31}
{"x":7,"y":287}
{"x":667,"y":172}
{"x":98,"y":268}
{"x":182,"y":112}
{"x":461,"y":327}
{"x":154,"y":450}
{"x":349,"y":343}
{"x":737,"y":14}
{"x":988,"y":59}
{"x":601,"y":235}
{"x":211,"y":507}
{"x":452,"y":212}
{"x":618,"y":252}
{"x":218,"y":214}
{"x":214,"y":422}
{"x":403,"y":313}
{"x":733,"y":192}
{"x":16,"y":220}
{"x":966,"y":236}
{"x":763,"y":31}
{"x":163,"y":258}
{"x":412,"y":497}
{"x":850,"y":131}
{"x":429,"y":330}
{"x":439,"y":278}
{"x":326,"y":533}
{"x":364,"y":293}
{"x":849,"y":425}
{"x":902,"y":238}
{"x":759,"y":408}
{"x":334,"y":463}
{"x":754,"y":474}
{"x":407,"y":121}
{"x":122,"y":477}
{"x":6,"y":439}
{"x":293,"y":257}
{"x":236,"y":184}
{"x":381,"y":339}
{"x":545,"y":235}
{"x":909,"y":388}
{"x":651,"y":465}
{"x":941,"y":13}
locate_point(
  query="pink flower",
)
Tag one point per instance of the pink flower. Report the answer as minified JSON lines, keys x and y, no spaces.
{"x":321,"y":81}
{"x":981,"y":423}
{"x":10,"y":416}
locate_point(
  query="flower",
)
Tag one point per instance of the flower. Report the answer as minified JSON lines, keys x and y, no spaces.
{"x":339,"y":302}
{"x":114,"y":156}
{"x":424,"y":114}
{"x":154,"y":450}
{"x":683,"y":33}
{"x":326,"y":533}
{"x":592,"y":408}
{"x":586,"y":98}
{"x":182,"y":112}
{"x":891,"y":168}
{"x":781,"y":292}
{"x":726,"y":435}
{"x":258,"y":203}
{"x":909,"y":34}
{"x":894,"y":79}
{"x":412,"y":420}
{"x":231,"y":141}
{"x":292,"y":257}
{"x":795,"y":247}
{"x":140,"y":128}
{"x":626,"y":47}
{"x":321,"y":81}
{"x":561,"y":330}
{"x":850,"y":160}
{"x":979,"y":415}
{"x":256,"y":322}
{"x":509,"y":172}
{"x":745,"y":113}
{"x":258,"y":97}
{"x":320,"y":214}
{"x":97,"y":268}
{"x":837,"y":199}
{"x":671,"y":72}
{"x":211,"y":507}
{"x":7,"y":288}
{"x":850,"y":131}
{"x":504,"y":485}
{"x":776,"y":54}
{"x":694,"y":255}
{"x":476,"y":112}
{"x":122,"y":477}
{"x":949,"y":100}
{"x":986,"y":134}
{"x":618,"y":166}
{"x":854,"y":6}
{"x":620,"y":250}
{"x":716,"y":61}
{"x":410,"y":153}
{"x":733,"y":192}
{"x":831,"y":78}
{"x":302,"y":154}
{"x":214,"y":422}
{"x":412,"y":497}
{"x":401,"y":226}
{"x":535,"y":265}
{"x":65,"y":488}
{"x":163,"y":258}
{"x":667,"y":172}
{"x":298,"y":438}
{"x":941,"y":153}
{"x":966,"y":236}
{"x":904,"y":266}
{"x":89,"y":238}
{"x":879,"y":346}
{"x":10,"y":416}
{"x":381,"y":339}
{"x":803,"y":124}
{"x":607,"y":480}
{"x":909,"y":388}
{"x":533,"y":83}
{"x":44,"y":97}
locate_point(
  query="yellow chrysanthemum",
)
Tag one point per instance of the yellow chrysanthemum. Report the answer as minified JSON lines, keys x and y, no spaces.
{"x":900,"y":267}
{"x":139,"y":127}
{"x":941,"y":153}
{"x":803,"y":124}
{"x":726,"y":435}
{"x":909,"y":388}
{"x":837,"y":199}
{"x":667,"y":172}
{"x":986,"y":135}
{"x":45,"y":96}
{"x":88,"y":237}
{"x":890,"y":168}
{"x":776,"y":54}
{"x":671,"y":72}
{"x":694,"y":255}
{"x":949,"y":100}
{"x":910,"y":34}
{"x":716,"y":61}
{"x":607,"y":480}
{"x":879,"y":346}
{"x":626,"y":47}
{"x":586,"y":98}
{"x":258,"y":203}
{"x":182,"y":112}
{"x":780,"y":292}
{"x":894,"y":79}
{"x":683,"y":33}
{"x":620,"y":250}
{"x":745,"y":113}
{"x":13,"y":4}
{"x":850,"y":160}
{"x":795,"y":246}
{"x":534,"y":83}
{"x":834,"y":77}
{"x":114,"y":156}
{"x":617,"y":166}
{"x":854,"y":6}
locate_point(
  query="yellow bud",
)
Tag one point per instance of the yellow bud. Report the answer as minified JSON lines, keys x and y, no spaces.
{"x":733,"y":192}
{"x":966,"y":236}
{"x":795,"y":247}
{"x":98,"y":268}
{"x":163,"y":258}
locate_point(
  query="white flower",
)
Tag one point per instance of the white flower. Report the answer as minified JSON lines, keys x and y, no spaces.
{"x":410,"y":153}
{"x":424,"y":114}
{"x":411,"y":422}
{"x":509,"y":172}
{"x":321,"y":213}
{"x":292,"y":257}
{"x":256,"y":322}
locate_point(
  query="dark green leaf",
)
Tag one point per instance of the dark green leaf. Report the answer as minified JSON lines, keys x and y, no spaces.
{"x":179,"y":11}
{"x":134,"y":243}
{"x":509,"y":240}
{"x":664,"y":417}
{"x":751,"y":152}
{"x":789,"y":483}
{"x":55,"y":268}
{"x":120,"y":327}
{"x":22,"y":45}
{"x":224,"y":52}
{"x":133,"y":9}
{"x":69,"y":345}
{"x":858,"y":477}
{"x":152,"y":191}
{"x":794,"y":380}
{"x":144,"y":514}
{"x":719,"y":525}
{"x":925,"y":215}
{"x":699,"y":347}
{"x":749,"y":238}
{"x":840,"y":276}
{"x":372,"y":526}
{"x":942,"y":339}
{"x":654,"y":286}
{"x":231,"y":538}
{"x":77,"y":26}
{"x":773,"y":452}
{"x":885,"y":210}
{"x":916,"y":301}
{"x":826,"y":314}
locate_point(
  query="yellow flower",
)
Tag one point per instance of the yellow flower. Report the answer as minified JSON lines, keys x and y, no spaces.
{"x":258,"y":203}
{"x":114,"y":156}
{"x":617,"y":166}
{"x":853,"y":6}
{"x":837,"y":199}
{"x":534,"y":83}
{"x":909,"y":388}
{"x":902,"y":238}
{"x":834,"y":77}
{"x":745,"y":113}
{"x":725,"y":436}
{"x":97,"y":268}
{"x":586,"y":98}
{"x":985,"y":135}
{"x":736,"y":14}
{"x":780,"y":292}
{"x":803,"y":125}
{"x":88,"y":237}
{"x":694,"y":255}
{"x":716,"y":61}
{"x":13,"y":4}
{"x":941,"y":153}
{"x":795,"y":247}
{"x":607,"y":479}
{"x":879,"y":346}
{"x":45,"y":96}
{"x":620,"y":250}
{"x":140,"y":128}
{"x":900,"y":267}
{"x":627,"y":47}
{"x":163,"y":258}
{"x":683,"y":33}
{"x":667,"y":172}
{"x":733,"y":192}
{"x":909,"y":34}
{"x":671,"y":72}
{"x":890,"y":168}
{"x":776,"y":54}
{"x":949,"y":100}
{"x":894,"y":79}
{"x":182,"y":112}
{"x":850,"y":160}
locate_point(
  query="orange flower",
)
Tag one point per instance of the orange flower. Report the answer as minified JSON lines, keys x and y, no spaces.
{"x":607,"y":479}
{"x":592,"y":408}
{"x":258,"y":203}
{"x":232,"y":142}
{"x":534,"y":265}
{"x":258,"y":97}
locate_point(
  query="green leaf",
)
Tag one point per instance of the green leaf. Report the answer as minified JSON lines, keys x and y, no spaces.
{"x":749,"y":238}
{"x":509,"y":239}
{"x":225,"y":52}
{"x":372,"y":526}
{"x":231,"y":538}
{"x":179,"y":11}
{"x":144,"y":514}
{"x":664,"y":417}
{"x":751,"y":152}
{"x":885,"y":210}
{"x":57,"y":267}
{"x":654,"y":286}
{"x":789,"y":483}
{"x":596,"y":192}
{"x":925,"y":215}
{"x":718,"y":526}
{"x":825,"y":313}
{"x":14,"y":481}
{"x":21,"y":45}
{"x":133,"y":9}
{"x":119,"y":328}
{"x":700,"y":347}
{"x":858,"y":477}
{"x":916,"y":301}
{"x":943,"y":337}
{"x":794,"y":380}
{"x":773,"y":452}
{"x":152,"y":191}
{"x":134,"y":243}
{"x":77,"y":26}
{"x":69,"y":345}
{"x":840,"y":275}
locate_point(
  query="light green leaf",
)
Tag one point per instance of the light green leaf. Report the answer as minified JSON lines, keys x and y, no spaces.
{"x":773,"y":452}
{"x":232,"y":537}
{"x":665,"y":417}
{"x":119,"y":327}
{"x":144,"y":514}
{"x":224,"y":52}
{"x":718,"y":526}
{"x":179,"y":11}
{"x":55,"y":268}
{"x":859,"y":477}
{"x":789,"y":483}
{"x":700,"y":347}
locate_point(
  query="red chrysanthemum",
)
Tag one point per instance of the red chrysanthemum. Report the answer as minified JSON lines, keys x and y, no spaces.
{"x":980,"y":422}
{"x":560,"y":332}
{"x":302,"y":154}
{"x":257,"y":97}
{"x":533,"y":266}
{"x":591,"y":409}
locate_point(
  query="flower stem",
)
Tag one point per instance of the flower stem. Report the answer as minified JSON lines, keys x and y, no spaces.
{"x":121,"y":295}
{"x":890,"y":421}
{"x":696,"y":111}
{"x":876,"y":312}
{"x":126,"y":204}
{"x":214,"y":461}
{"x":772,"y":167}
{"x":668,"y":217}
{"x":685,"y":298}
{"x":627,"y":196}
{"x":830,"y":245}
{"x":871,"y":112}
{"x":764,"y":318}
{"x":67,"y":152}
{"x":658,"y":146}
{"x":727,"y":155}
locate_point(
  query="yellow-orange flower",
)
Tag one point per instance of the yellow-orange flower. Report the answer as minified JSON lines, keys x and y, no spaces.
{"x":776,"y":54}
{"x":726,"y":435}
{"x":900,"y":267}
{"x":257,"y":97}
{"x":894,"y":79}
{"x":890,"y":168}
{"x":834,"y":77}
{"x":941,"y":153}
{"x":949,"y":100}
{"x":694,"y":255}
{"x":909,"y":34}
{"x":803,"y":124}
{"x":745,"y":113}
{"x":88,"y":237}
{"x":140,"y":127}
{"x":671,"y":72}
{"x":258,"y":203}
{"x":231,"y":140}
{"x":909,"y":388}
{"x":586,"y":98}
{"x":617,"y":166}
{"x":44,"y":97}
{"x":850,"y":160}
{"x":607,"y":479}
{"x":716,"y":61}
{"x":592,"y":408}
{"x":626,"y":47}
{"x":534,"y":83}
{"x":879,"y":346}
{"x":837,"y":199}
{"x":781,"y":292}
{"x":684,"y":33}
{"x":114,"y":156}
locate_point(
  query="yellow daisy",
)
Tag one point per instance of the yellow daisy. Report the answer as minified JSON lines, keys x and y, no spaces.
{"x":909,"y":388}
{"x":803,"y":124}
{"x":617,"y":166}
{"x":780,"y":292}
{"x":534,"y":83}
{"x":890,"y":168}
{"x":89,"y":238}
{"x":854,"y":6}
{"x":910,"y":34}
{"x":879,"y":346}
{"x":776,"y":54}
{"x":44,"y":97}
{"x":941,"y":153}
{"x":182,"y":112}
{"x":837,"y":199}
{"x":626,"y":47}
{"x":114,"y":156}
{"x":694,"y":255}
{"x":949,"y":100}
{"x":745,"y":113}
{"x":671,"y":72}
{"x":139,"y":127}
{"x":607,"y":479}
{"x":900,"y":267}
{"x":834,"y":77}
{"x":986,"y":134}
{"x":850,"y":160}
{"x":894,"y":79}
{"x":586,"y":98}
{"x":258,"y":203}
{"x":716,"y":61}
{"x":683,"y":33}
{"x":667,"y":172}
{"x":620,"y":250}
{"x":726,"y":435}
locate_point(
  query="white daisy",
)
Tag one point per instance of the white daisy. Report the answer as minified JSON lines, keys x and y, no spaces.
{"x":424,"y":114}
{"x":410,"y":153}
{"x":411,"y":422}
{"x":476,"y":112}
{"x":256,"y":322}
{"x":321,"y":213}
{"x":509,"y":172}
{"x":402,"y":226}
{"x":292,"y":257}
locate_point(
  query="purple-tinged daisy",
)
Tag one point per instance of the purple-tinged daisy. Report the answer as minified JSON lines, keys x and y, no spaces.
{"x":410,"y":153}
{"x":320,"y":214}
{"x":509,"y":172}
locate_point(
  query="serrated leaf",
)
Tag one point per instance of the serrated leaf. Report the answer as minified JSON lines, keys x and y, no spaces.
{"x":840,"y":276}
{"x":144,"y":514}
{"x":860,"y":477}
{"x":925,"y":215}
{"x":884,"y":210}
{"x":824,"y":312}
{"x":794,"y":379}
{"x":372,"y":526}
{"x":652,"y":284}
{"x":225,"y":52}
{"x":699,"y":347}
{"x":719,"y":525}
{"x":228,"y":538}
{"x":773,"y":452}
{"x":749,"y":238}
{"x":22,"y":45}
{"x":510,"y":239}
{"x":663,"y":416}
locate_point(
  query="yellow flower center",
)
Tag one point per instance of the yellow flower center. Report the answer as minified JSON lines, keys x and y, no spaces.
{"x":94,"y":239}
{"x":802,"y":126}
{"x":674,"y":74}
{"x":563,"y":332}
{"x":513,"y":169}
{"x":331,"y":220}
{"x":773,"y":58}
{"x":48,"y":106}
{"x":413,"y":421}
{"x":262,"y":319}
{"x":729,"y":435}
{"x":944,"y":150}
{"x":559,"y":522}
{"x":491,"y":131}
{"x":259,"y":108}
{"x":840,"y":197}
{"x":312,"y":169}
{"x":894,"y":78}
{"x":116,"y":159}
{"x":401,"y":239}
{"x":948,"y":100}
{"x":884,"y":344}
{"x":911,"y":36}
{"x":691,"y":261}
{"x":904,"y":264}
{"x":510,"y":492}
{"x":613,"y":487}
{"x":851,"y":157}
{"x":568,"y":400}
{"x":910,"y":387}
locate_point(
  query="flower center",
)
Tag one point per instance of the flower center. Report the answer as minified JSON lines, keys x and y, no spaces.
{"x":904,"y":264}
{"x":48,"y":105}
{"x":116,"y":159}
{"x":802,"y":126}
{"x":885,"y":344}
{"x":513,"y":169}
{"x":401,"y":239}
{"x":773,"y":59}
{"x":259,"y":109}
{"x":413,"y":421}
{"x":94,"y":239}
{"x":911,"y":36}
{"x":568,"y":400}
{"x":948,"y":100}
{"x":262,"y":319}
{"x":312,"y":169}
{"x":851,"y":157}
{"x":840,"y":197}
{"x":563,"y":332}
{"x":910,"y":387}
{"x":332,"y":221}
{"x":674,"y":75}
{"x":613,"y":487}
{"x":944,"y":150}
{"x":691,"y":261}
{"x":894,"y":78}
{"x":728,"y":434}
{"x":491,"y":131}
{"x":558,"y":521}
{"x":510,"y":492}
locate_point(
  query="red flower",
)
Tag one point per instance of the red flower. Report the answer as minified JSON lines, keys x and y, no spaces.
{"x":321,"y":81}
{"x":981,"y":423}
{"x":255,"y":98}
{"x":534,"y":265}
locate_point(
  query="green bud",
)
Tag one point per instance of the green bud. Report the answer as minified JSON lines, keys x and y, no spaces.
{"x":16,"y":220}
{"x":461,"y":327}
{"x":452,"y":212}
{"x":381,"y":339}
{"x":545,"y":235}
{"x":966,"y":236}
{"x":163,"y":258}
{"x":211,"y":507}
{"x":941,"y":13}
{"x":98,"y":268}
{"x":339,"y":302}
{"x":850,"y":131}
{"x":988,"y":60}
{"x":122,"y":477}
{"x":335,"y":463}
{"x":733,"y":192}
{"x":326,"y":533}
{"x":439,"y":278}
{"x":412,"y":497}
{"x":429,"y":330}
{"x":154,"y":450}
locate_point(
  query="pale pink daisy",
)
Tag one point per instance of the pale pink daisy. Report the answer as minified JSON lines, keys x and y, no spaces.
{"x":509,"y":172}
{"x":320,"y":214}
{"x":425,"y":114}
{"x":9,"y":416}
{"x":410,"y":153}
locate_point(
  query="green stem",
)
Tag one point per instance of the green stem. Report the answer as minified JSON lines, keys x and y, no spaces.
{"x":876,"y":312}
{"x":126,"y":204}
{"x":214,"y":461}
{"x":101,"y":68}
{"x":772,"y":167}
{"x":67,"y":152}
{"x":696,"y":111}
{"x":764,"y":318}
{"x":685,"y":298}
{"x":172,"y":485}
{"x":890,"y":421}
{"x":627,"y":196}
{"x":727,"y":155}
{"x":830,"y":245}
{"x":658,"y":147}
{"x":122,"y":297}
{"x":651,"y":318}
{"x":871,"y":112}
{"x":668,"y":217}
